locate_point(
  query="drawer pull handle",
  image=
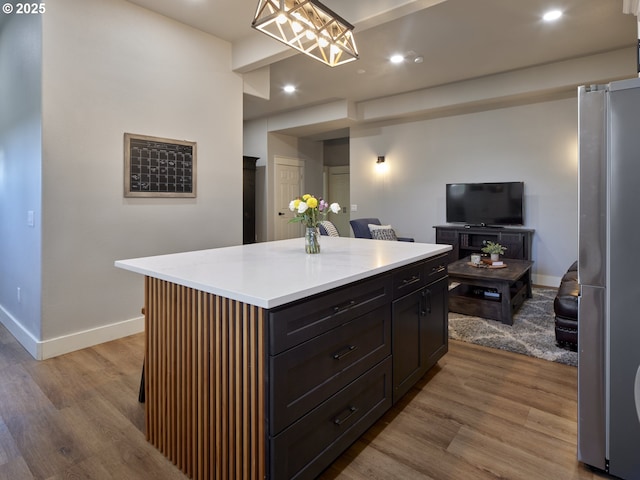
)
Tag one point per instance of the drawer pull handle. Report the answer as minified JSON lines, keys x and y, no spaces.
{"x":339,"y":308}
{"x":425,"y":303}
{"x":413,"y":279}
{"x":339,"y":421}
{"x":438,"y":269}
{"x":345,"y":352}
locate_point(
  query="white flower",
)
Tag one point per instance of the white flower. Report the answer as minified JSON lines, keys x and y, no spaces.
{"x":334,"y":207}
{"x":292,"y":205}
{"x":302,"y":207}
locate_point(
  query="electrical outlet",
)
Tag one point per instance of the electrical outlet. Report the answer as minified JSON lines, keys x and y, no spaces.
{"x":19,"y":295}
{"x":354,"y":208}
{"x":30,"y":218}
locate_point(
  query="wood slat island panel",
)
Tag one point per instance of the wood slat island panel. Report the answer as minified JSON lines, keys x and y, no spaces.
{"x":205,"y":364}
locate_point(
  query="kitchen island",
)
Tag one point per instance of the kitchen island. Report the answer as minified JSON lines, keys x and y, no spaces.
{"x":263,"y":361}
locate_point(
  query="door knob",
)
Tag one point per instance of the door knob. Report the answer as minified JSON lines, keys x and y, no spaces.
{"x":281,"y":214}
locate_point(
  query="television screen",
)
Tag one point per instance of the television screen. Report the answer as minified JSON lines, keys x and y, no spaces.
{"x":485,"y":203}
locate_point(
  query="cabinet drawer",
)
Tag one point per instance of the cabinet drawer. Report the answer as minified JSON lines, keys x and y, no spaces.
{"x":417,"y":275}
{"x":308,"y":318}
{"x":436,"y":268}
{"x":409,"y":279}
{"x":306,"y":375}
{"x":311,"y":444}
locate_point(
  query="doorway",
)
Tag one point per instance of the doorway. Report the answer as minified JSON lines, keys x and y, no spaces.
{"x":288,"y":179}
{"x":338,"y":191}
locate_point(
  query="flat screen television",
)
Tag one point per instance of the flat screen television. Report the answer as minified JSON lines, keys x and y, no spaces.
{"x":485,"y":204}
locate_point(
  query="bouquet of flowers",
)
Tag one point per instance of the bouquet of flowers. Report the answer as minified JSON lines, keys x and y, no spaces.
{"x":309,"y":210}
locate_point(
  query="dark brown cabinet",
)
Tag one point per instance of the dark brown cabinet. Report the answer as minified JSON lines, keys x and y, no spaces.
{"x":419,"y":332}
{"x":249,"y":199}
{"x":330,"y":368}
{"x":337,"y":361}
{"x":467,"y":240}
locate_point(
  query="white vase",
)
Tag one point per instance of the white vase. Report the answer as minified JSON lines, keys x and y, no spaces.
{"x":495,"y":257}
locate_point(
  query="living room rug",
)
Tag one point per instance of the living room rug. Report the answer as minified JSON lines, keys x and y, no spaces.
{"x":532,"y":332}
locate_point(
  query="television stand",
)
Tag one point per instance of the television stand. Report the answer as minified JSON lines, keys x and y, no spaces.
{"x":483,"y":225}
{"x":468,"y":239}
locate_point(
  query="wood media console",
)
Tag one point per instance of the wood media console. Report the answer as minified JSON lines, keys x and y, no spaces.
{"x":466,"y":240}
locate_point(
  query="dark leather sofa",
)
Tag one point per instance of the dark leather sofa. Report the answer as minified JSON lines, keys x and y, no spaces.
{"x":565,"y":306}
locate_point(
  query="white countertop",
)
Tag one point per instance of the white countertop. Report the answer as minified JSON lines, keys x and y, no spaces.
{"x":271,"y":274}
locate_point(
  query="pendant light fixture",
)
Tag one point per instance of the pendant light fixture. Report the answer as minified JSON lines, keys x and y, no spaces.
{"x":308,"y":26}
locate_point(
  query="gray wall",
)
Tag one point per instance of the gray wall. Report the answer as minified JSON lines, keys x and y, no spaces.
{"x":336,"y":152}
{"x":20,"y":173}
{"x":111,"y":67}
{"x":534,"y":143}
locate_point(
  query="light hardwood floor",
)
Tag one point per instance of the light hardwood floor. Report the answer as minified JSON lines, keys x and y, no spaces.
{"x":479,"y":414}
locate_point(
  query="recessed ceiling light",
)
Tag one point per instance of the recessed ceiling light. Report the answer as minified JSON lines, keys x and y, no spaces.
{"x":289,"y":88}
{"x":552,"y":15}
{"x":397,"y":58}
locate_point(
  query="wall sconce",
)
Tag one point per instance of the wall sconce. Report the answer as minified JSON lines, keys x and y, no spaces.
{"x":381,"y":166}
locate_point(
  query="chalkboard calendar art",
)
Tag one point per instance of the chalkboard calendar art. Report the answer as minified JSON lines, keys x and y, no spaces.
{"x":159,"y":167}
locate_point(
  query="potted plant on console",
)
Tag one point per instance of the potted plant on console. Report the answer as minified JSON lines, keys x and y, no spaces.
{"x":494,"y":249}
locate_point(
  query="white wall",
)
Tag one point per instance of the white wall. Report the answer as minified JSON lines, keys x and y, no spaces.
{"x":110,"y":67}
{"x":534,"y":143}
{"x":20,"y":174}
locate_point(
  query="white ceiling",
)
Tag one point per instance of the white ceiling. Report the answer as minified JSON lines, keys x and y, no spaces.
{"x":231,"y":19}
{"x":459,"y":40}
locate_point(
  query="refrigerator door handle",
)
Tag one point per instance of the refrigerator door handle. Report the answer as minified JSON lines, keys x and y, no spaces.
{"x":636,"y":392}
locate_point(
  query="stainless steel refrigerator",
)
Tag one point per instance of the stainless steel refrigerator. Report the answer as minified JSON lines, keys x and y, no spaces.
{"x":609,"y":276}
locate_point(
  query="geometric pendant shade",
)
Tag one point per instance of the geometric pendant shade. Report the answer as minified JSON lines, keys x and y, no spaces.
{"x":309,"y":27}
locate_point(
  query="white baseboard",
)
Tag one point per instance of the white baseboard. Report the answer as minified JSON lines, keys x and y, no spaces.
{"x":43,"y":349}
{"x":88,"y":338}
{"x":21,"y":334}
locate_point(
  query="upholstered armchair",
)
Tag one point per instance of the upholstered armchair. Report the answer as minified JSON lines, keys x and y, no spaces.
{"x":328,"y":228}
{"x":360,"y":227}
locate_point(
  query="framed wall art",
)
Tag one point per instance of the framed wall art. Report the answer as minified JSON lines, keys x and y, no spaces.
{"x":159,"y":167}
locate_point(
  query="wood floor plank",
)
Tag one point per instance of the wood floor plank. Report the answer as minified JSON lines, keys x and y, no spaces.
{"x":20,"y":394}
{"x":46,"y":442}
{"x":553,"y":425}
{"x":15,"y":469}
{"x":503,"y":459}
{"x":68,"y":379}
{"x":8,"y":448}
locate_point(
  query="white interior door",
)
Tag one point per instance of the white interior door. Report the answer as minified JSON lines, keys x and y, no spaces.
{"x":339,"y":192}
{"x":289,"y":174}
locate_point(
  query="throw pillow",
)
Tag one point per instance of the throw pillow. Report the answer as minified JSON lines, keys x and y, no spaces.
{"x":383,"y":234}
{"x":374,"y":226}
